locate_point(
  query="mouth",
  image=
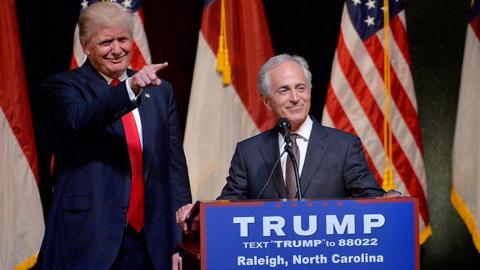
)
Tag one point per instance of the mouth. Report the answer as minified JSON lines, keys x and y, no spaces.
{"x":116,"y":60}
{"x":295,"y":108}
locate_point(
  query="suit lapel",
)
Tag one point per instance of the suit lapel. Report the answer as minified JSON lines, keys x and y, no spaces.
{"x":95,"y":81}
{"x":316,"y":149}
{"x":270,"y":153}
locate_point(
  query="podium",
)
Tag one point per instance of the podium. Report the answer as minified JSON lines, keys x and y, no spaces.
{"x":309,"y":234}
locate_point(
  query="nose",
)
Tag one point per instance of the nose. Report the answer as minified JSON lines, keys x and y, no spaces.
{"x":293,"y":96}
{"x":116,"y":48}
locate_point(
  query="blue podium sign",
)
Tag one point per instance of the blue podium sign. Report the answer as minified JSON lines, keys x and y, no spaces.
{"x":310,"y":234}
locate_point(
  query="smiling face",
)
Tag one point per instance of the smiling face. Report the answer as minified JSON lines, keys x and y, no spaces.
{"x":109,"y":50}
{"x":289,"y":93}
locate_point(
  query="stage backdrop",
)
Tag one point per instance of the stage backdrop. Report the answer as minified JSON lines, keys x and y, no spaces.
{"x":436,"y":32}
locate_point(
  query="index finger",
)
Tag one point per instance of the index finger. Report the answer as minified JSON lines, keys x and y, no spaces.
{"x":157,"y":67}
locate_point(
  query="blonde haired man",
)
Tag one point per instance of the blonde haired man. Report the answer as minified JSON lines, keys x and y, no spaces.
{"x":120,"y":169}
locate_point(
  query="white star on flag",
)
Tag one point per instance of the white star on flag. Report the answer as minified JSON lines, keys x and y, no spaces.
{"x":370,"y":21}
{"x":370,"y":4}
{"x":127,"y":3}
{"x":356,"y":2}
{"x":84,"y":4}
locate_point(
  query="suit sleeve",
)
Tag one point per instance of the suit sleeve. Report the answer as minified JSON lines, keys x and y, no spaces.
{"x":74,"y":107}
{"x":359,"y":180}
{"x":179,"y":183}
{"x":236,"y":187}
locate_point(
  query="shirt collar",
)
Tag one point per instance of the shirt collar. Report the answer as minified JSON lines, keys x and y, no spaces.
{"x":305,"y":129}
{"x":109,"y":80}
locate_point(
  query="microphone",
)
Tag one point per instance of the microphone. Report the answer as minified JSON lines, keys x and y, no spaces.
{"x":270,"y":176}
{"x":283,"y":126}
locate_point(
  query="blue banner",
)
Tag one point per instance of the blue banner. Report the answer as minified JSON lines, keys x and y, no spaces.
{"x":322,"y":234}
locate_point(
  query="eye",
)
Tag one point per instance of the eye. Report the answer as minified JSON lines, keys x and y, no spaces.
{"x":301,"y":88}
{"x":283,"y":91}
{"x":105,"y":42}
{"x":123,"y":39}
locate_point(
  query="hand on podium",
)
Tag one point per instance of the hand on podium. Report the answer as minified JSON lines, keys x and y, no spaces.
{"x":181,"y":216}
{"x":392,"y":194}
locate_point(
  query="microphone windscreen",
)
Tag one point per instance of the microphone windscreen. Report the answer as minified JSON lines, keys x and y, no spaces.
{"x":283,"y":125}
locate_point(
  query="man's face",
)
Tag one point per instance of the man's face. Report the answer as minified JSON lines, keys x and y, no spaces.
{"x":289,"y":93}
{"x":108,"y":50}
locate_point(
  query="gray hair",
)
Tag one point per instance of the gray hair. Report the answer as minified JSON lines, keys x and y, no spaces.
{"x":264,"y":78}
{"x":103,"y":14}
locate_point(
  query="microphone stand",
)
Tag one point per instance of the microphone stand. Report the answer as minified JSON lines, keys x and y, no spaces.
{"x":288,"y":149}
{"x":270,"y":176}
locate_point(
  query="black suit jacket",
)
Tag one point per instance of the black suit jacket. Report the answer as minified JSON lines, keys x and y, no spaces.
{"x":335,"y":167}
{"x":87,"y":220}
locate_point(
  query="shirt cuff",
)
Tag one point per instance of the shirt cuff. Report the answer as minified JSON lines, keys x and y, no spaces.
{"x":131,"y":94}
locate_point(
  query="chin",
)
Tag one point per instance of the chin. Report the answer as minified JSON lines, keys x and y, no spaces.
{"x":297,"y":118}
{"x":118,"y":69}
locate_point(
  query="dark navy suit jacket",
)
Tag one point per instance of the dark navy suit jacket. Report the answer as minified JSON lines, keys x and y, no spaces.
{"x":92,"y":171}
{"x":335,"y":167}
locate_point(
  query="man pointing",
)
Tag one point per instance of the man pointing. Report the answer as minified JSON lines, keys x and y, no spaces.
{"x":120,"y":169}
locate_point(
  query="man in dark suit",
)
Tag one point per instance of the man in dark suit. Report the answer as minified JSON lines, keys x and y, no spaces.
{"x":331,"y":162}
{"x":120,"y":169}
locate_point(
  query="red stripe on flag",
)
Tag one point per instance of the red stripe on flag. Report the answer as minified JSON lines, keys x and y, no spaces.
{"x":140,"y":14}
{"x":73,"y":62}
{"x":249,"y":47}
{"x":137,"y":61}
{"x":336,"y":112}
{"x":14,"y":97}
{"x":475,"y":24}
{"x":400,"y":35}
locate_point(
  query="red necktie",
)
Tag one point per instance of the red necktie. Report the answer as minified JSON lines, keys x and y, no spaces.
{"x":135,"y":215}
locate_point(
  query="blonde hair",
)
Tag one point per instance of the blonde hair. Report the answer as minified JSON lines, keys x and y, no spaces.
{"x":103,"y":14}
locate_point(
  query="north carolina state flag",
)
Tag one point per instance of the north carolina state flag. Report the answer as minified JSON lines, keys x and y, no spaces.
{"x":225,"y":105}
{"x":466,"y":146}
{"x":21,"y":216}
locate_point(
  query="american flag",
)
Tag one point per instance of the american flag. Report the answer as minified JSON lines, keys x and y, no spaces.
{"x":357,"y":96}
{"x":140,"y":52}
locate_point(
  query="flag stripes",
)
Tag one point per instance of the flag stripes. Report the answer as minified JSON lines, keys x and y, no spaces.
{"x":21,"y":215}
{"x":355,"y":100}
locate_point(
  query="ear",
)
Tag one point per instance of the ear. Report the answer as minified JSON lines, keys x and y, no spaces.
{"x":266,"y":102}
{"x":85,"y":49}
